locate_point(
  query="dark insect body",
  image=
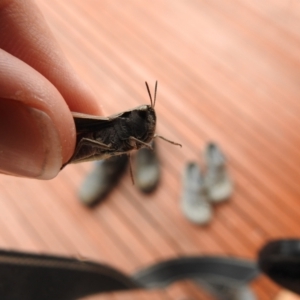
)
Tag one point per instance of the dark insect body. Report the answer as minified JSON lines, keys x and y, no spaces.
{"x":102,"y":137}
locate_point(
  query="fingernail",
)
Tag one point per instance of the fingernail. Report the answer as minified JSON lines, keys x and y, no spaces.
{"x":29,"y":143}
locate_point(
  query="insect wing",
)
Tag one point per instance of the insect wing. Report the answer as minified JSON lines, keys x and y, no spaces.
{"x":89,"y":123}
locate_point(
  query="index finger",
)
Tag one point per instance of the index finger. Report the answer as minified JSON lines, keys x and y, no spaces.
{"x":25,"y":34}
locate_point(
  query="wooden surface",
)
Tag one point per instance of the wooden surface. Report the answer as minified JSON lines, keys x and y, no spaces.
{"x":228,"y":71}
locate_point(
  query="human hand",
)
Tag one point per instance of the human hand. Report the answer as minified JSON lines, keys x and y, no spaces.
{"x":38,"y":91}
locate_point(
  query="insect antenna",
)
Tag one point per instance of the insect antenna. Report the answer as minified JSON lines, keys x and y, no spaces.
{"x":147,"y":86}
{"x":152,"y":101}
{"x":155,"y":90}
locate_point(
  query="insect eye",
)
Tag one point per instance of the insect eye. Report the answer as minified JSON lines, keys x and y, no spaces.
{"x":143,"y":114}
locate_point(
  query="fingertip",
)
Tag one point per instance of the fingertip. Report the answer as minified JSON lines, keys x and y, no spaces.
{"x":82,"y":99}
{"x":30,"y":143}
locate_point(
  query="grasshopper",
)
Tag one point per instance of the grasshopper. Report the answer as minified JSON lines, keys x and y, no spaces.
{"x":102,"y":137}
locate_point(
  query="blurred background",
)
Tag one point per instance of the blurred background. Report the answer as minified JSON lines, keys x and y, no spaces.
{"x":227,"y":71}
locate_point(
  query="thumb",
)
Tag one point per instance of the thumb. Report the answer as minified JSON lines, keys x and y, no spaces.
{"x":37,"y":132}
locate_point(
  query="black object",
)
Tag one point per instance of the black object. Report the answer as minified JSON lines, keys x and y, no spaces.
{"x":43,"y":277}
{"x":34,"y":277}
{"x":231,"y":271}
{"x":280,"y":260}
{"x":225,"y":278}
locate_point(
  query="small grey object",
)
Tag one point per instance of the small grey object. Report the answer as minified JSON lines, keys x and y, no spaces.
{"x":147,"y":169}
{"x":218,"y":182}
{"x":102,"y":179}
{"x":194,"y":203}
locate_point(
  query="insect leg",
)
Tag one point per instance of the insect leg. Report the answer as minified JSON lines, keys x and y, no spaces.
{"x":93,"y":143}
{"x":130,"y":167}
{"x":82,"y":156}
{"x":163,"y":138}
{"x":141,"y":142}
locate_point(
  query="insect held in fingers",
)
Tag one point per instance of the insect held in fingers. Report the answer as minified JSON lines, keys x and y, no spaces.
{"x":102,"y":137}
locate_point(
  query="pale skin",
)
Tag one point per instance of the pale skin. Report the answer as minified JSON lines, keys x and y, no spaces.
{"x":38,"y":91}
{"x":286,"y":295}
